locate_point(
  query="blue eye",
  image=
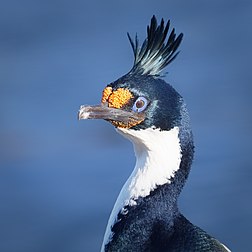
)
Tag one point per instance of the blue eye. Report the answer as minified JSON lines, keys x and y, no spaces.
{"x":140,"y":104}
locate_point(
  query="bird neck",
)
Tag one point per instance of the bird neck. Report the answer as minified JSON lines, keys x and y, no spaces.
{"x":155,"y":182}
{"x":158,"y":157}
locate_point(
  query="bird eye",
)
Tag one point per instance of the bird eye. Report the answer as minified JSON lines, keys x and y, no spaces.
{"x":140,"y":104}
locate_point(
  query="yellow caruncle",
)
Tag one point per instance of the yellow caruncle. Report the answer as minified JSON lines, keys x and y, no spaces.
{"x":117,"y":98}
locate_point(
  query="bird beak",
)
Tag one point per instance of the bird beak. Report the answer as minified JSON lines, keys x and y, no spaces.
{"x":118,"y":117}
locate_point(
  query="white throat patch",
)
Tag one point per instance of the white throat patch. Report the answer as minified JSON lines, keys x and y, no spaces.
{"x":158,"y":157}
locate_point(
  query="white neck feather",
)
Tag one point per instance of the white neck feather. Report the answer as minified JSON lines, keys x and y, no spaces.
{"x":158,"y":156}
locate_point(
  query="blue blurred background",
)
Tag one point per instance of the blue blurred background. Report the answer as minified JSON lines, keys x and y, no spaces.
{"x":59,"y":177}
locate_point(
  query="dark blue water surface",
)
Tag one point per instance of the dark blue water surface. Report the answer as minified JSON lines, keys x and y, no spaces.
{"x":59,"y":177}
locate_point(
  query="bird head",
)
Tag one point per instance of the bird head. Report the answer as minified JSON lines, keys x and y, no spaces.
{"x":141,"y":99}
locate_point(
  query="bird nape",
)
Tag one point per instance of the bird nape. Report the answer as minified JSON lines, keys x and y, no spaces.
{"x":153,"y":116}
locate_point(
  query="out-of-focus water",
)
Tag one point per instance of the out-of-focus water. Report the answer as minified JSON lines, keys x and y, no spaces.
{"x":59,"y":177}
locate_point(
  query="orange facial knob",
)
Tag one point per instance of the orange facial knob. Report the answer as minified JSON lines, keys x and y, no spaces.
{"x":119,"y":98}
{"x":105,"y":94}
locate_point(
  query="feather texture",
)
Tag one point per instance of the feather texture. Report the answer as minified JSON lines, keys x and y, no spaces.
{"x":155,"y":54}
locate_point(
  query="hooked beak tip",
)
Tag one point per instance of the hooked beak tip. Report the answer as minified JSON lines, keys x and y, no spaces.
{"x":83,"y":113}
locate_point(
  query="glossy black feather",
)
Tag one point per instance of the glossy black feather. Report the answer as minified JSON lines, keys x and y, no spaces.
{"x":155,"y":54}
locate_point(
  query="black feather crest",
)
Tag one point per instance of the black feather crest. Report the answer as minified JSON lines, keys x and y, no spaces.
{"x":155,"y":54}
